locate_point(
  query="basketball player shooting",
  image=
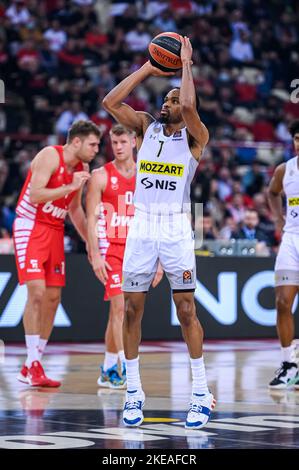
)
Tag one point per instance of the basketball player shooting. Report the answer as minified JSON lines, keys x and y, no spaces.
{"x":168,"y":153}
{"x":52,"y":189}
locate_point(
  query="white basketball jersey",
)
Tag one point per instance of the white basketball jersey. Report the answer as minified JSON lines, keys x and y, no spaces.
{"x":165,"y":170}
{"x":291,"y":189}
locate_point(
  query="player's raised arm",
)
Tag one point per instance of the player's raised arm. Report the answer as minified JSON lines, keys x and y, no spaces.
{"x":123,"y":113}
{"x":195,"y":126}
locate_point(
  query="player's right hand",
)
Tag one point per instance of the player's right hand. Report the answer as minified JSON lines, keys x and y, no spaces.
{"x":100,"y":266}
{"x":79,"y":179}
{"x":155,"y":71}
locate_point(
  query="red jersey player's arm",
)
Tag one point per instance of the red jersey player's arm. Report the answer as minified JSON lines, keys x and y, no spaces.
{"x":274,"y":196}
{"x":43,"y":166}
{"x":96,"y":186}
{"x":76,"y":212}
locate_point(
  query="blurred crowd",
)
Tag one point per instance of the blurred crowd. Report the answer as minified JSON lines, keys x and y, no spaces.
{"x":58,"y":59}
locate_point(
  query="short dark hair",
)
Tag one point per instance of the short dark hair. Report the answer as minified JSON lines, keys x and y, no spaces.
{"x":119,"y":129}
{"x":82,"y":129}
{"x":294,"y":128}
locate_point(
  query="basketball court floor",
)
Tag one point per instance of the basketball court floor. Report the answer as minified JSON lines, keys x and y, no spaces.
{"x":81,"y":415}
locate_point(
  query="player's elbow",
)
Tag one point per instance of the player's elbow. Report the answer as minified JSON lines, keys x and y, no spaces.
{"x":271,"y":194}
{"x":108,"y":103}
{"x":206,"y":135}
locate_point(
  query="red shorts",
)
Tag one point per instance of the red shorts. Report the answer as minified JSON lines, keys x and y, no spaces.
{"x":114,"y":257}
{"x":39,"y":252}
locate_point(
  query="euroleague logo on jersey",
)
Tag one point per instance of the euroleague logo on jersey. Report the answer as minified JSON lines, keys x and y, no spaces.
{"x":159,"y":184}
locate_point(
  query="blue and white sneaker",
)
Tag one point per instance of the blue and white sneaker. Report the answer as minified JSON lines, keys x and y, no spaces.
{"x":110,"y":378}
{"x":132,"y":414}
{"x":200,"y":410}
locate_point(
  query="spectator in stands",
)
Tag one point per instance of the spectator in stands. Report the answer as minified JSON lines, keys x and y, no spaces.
{"x":250,"y":229}
{"x":68,"y":117}
{"x":56,"y":36}
{"x":18,"y":13}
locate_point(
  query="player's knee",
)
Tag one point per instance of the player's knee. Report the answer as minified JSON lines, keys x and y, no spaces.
{"x":133,"y":312}
{"x":118,"y":314}
{"x":36,"y":295}
{"x":54,"y":299}
{"x":283,"y":304}
{"x":186,"y":313}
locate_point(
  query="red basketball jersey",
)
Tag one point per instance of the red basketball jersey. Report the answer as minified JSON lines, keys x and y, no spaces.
{"x":117,"y":207}
{"x":52,"y":212}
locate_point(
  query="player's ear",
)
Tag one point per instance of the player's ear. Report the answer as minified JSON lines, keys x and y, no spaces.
{"x":134,"y":142}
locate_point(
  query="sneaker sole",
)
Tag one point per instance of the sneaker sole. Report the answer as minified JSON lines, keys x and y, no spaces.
{"x":22,"y":379}
{"x":117,"y":387}
{"x":202,"y":425}
{"x":103,"y":384}
{"x":284,"y":386}
{"x":134,"y":425}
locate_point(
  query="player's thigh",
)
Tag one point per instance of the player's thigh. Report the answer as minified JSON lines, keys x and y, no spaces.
{"x":178,"y":261}
{"x":140,"y":264}
{"x":55,"y":265}
{"x":31,"y":253}
{"x":114,"y":258}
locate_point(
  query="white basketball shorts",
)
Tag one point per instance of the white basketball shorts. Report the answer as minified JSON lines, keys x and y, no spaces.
{"x":153,"y":238}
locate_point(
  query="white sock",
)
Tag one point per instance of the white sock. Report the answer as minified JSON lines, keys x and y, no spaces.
{"x":110,"y":360}
{"x":287,"y":354}
{"x":32,"y":342}
{"x":41,"y":347}
{"x":199,"y":381}
{"x":133,"y":376}
{"x":121,"y":355}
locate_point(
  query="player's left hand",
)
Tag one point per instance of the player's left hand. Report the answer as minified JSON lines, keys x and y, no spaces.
{"x":186,"y":49}
{"x":158,"y":276}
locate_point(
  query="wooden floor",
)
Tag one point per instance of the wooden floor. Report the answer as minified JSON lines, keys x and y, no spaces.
{"x":80,"y":415}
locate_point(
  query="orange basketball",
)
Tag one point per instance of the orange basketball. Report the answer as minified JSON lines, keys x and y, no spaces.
{"x":165,"y":50}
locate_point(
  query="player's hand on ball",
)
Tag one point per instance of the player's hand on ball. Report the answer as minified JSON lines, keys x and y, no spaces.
{"x":100,"y":267}
{"x":156,"y":72}
{"x":186,"y":49}
{"x":158,"y":276}
{"x":79,"y":179}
